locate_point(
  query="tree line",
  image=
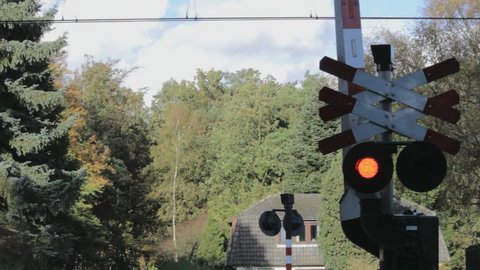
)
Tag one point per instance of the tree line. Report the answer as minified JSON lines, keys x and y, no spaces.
{"x":90,"y":177}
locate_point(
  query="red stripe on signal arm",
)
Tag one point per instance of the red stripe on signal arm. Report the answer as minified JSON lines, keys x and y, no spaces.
{"x":441,"y":69}
{"x":339,"y":100}
{"x":337,"y":141}
{"x":439,"y":106}
{"x":443,"y":142}
{"x":288,"y":251}
{"x":341,"y":104}
{"x":355,"y":89}
{"x":329,"y":112}
{"x":449,"y":98}
{"x":288,"y":267}
{"x":337,"y":68}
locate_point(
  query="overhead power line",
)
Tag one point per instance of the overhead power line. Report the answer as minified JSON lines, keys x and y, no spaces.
{"x":219,"y":19}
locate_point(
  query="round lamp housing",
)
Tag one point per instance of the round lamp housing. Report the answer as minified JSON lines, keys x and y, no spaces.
{"x":368,"y":167}
{"x":421,"y":166}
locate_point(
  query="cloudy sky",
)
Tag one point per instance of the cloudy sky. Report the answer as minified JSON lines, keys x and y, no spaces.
{"x":284,"y":49}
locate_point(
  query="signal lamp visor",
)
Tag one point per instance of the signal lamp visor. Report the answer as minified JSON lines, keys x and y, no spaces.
{"x":368,"y":167}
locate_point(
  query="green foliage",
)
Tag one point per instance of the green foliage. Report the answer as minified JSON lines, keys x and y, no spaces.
{"x":182,"y":264}
{"x":39,"y":211}
{"x":307,"y":164}
{"x":38,"y":182}
{"x":26,"y":143}
{"x":34,"y":100}
{"x":253,"y":131}
{"x":222,"y":208}
{"x":230,"y":138}
{"x":212,"y":245}
{"x":178,"y":153}
{"x":233,"y":138}
{"x":183,"y":115}
{"x":110,"y":141}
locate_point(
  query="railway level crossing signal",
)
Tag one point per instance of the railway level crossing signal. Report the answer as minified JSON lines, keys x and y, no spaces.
{"x":407,"y":241}
{"x":421,"y":166}
{"x":380,"y":121}
{"x":270,"y":224}
{"x":400,"y":241}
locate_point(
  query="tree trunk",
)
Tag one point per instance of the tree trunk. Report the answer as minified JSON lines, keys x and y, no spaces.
{"x":175,"y":174}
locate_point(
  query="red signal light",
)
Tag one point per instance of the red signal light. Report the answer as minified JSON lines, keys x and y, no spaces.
{"x":367,"y":167}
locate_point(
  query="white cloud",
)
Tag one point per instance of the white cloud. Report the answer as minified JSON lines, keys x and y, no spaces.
{"x":106,"y":40}
{"x":277,"y":48}
{"x":107,"y":8}
{"x":370,"y":28}
{"x":284,"y":49}
{"x":163,"y":51}
{"x":264,"y":8}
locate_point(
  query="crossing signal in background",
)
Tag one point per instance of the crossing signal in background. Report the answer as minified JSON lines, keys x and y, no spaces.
{"x":270,"y":223}
{"x":368,"y":167}
{"x":421,"y":167}
{"x":297,"y":223}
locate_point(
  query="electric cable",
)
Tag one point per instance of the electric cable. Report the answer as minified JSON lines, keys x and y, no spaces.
{"x":221,"y":19}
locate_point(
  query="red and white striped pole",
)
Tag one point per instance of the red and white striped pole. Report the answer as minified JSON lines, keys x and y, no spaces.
{"x":349,"y":51}
{"x":349,"y":39}
{"x":287,"y":201}
{"x":288,"y":252}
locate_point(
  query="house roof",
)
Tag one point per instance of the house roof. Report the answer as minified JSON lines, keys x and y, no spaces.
{"x":250,"y":247}
{"x":307,"y":205}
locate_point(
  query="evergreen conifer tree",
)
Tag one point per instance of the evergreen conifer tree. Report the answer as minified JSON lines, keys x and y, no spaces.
{"x":38,"y":185}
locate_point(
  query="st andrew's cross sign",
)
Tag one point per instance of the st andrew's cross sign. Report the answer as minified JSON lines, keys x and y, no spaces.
{"x":380,"y":121}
